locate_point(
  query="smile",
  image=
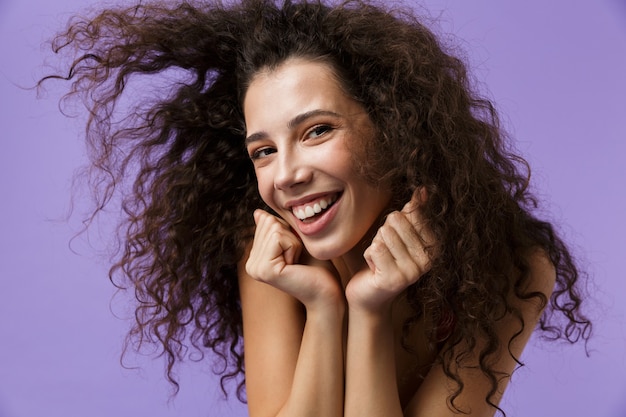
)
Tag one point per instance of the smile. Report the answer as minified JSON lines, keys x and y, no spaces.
{"x":313,"y":208}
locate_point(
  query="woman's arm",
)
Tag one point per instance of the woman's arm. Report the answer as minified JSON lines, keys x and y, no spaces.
{"x":293,"y":343}
{"x":371,"y":387}
{"x":396,"y":258}
{"x":293,"y":329}
{"x":370,"y":364}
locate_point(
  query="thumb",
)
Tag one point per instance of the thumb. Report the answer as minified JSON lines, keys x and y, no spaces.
{"x":291,"y":251}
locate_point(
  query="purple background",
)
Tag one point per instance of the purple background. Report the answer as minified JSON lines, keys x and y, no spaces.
{"x":557,"y":70}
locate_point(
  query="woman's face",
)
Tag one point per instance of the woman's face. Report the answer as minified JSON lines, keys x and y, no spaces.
{"x":301,"y":127}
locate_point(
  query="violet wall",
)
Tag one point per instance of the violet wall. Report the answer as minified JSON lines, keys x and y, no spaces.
{"x":556,"y":69}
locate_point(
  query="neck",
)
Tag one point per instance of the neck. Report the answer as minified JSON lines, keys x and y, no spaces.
{"x":348,"y":265}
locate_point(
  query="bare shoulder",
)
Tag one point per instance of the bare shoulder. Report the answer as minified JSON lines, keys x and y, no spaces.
{"x":542,"y":274}
{"x":513,"y":332}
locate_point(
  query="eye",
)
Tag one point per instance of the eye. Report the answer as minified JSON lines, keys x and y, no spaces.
{"x":319,"y":130}
{"x":261,"y":153}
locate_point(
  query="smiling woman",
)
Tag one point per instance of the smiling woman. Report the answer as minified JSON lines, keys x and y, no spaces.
{"x":303,"y":159}
{"x":332,"y":191}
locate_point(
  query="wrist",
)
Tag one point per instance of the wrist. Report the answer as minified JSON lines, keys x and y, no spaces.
{"x":380,"y":314}
{"x":326,"y":314}
{"x":327,"y":305}
{"x":368,"y":305}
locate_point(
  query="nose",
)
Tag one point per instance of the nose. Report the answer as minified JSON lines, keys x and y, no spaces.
{"x":291,"y":170}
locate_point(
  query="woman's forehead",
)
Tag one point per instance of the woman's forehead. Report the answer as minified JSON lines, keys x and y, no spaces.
{"x":296,"y":86}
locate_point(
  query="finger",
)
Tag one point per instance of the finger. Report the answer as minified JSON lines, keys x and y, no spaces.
{"x":263,"y":216}
{"x":380,"y":252}
{"x":414,"y":215}
{"x":418,"y":199}
{"x":274,"y":243}
{"x":271,"y":259}
{"x":265,"y":221}
{"x":291,"y":247}
{"x":279,"y":240}
{"x":399,"y":242}
{"x":409,"y":255}
{"x":378,"y":257}
{"x":375,"y":246}
{"x":410,"y":232}
{"x":257,"y":216}
{"x":413,"y":211}
{"x":406,"y":242}
{"x":388,"y":276}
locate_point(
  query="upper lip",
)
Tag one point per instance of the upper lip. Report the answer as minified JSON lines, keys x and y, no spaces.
{"x":304,"y":200}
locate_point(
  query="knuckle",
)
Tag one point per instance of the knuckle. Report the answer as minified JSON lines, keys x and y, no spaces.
{"x":378,"y":247}
{"x":274,"y":234}
{"x":394,"y":218}
{"x":374,"y":246}
{"x":249,"y":269}
{"x":252,"y":270}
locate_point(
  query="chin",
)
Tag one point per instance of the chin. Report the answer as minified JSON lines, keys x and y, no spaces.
{"x":323,"y":255}
{"x":327,"y":252}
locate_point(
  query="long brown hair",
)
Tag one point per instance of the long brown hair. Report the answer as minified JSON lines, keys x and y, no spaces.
{"x":187,"y":211}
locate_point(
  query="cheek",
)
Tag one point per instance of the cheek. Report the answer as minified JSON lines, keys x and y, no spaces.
{"x":265,"y":186}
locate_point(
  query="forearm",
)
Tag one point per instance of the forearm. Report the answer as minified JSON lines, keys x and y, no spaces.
{"x":371,"y":387}
{"x":318,"y":382}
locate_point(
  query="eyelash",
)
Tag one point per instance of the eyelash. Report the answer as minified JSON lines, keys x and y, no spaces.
{"x":257,"y":154}
{"x":319,"y":130}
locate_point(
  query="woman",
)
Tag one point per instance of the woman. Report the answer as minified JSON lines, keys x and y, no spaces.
{"x":321,"y":182}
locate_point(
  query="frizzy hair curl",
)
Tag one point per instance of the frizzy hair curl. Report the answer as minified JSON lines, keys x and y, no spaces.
{"x":188,"y":211}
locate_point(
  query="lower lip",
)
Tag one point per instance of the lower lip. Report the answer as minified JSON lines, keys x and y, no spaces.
{"x":320,"y":223}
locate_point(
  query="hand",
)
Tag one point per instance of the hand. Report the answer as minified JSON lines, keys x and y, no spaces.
{"x":396,"y":258}
{"x":276,"y":256}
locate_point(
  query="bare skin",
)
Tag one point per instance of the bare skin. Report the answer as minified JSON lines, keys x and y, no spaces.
{"x":322,"y":290}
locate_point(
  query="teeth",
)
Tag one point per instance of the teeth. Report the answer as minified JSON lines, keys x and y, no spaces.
{"x":304,"y":212}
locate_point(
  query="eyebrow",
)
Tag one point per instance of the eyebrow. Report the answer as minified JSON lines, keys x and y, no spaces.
{"x":293,"y":123}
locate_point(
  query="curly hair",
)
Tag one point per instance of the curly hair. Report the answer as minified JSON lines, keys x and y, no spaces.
{"x":187,"y":210}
